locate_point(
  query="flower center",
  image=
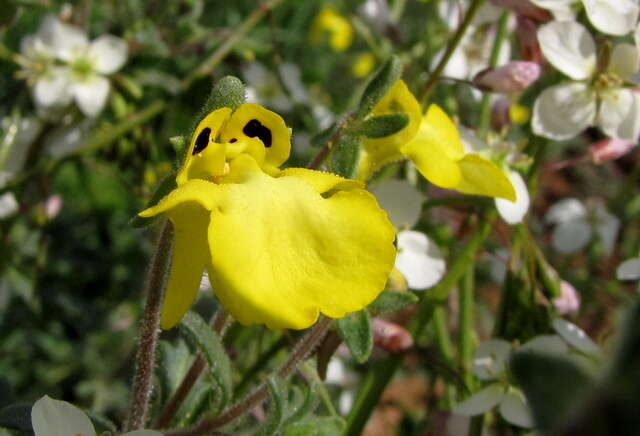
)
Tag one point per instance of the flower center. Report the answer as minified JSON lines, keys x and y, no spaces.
{"x":607,"y":81}
{"x":82,"y":68}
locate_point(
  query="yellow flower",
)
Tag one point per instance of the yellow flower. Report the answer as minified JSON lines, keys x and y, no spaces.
{"x":432,"y":142}
{"x":363,"y":64}
{"x":338,"y":28}
{"x":280,"y":246}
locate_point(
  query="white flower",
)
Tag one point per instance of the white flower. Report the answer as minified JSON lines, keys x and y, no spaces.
{"x":81,"y":74}
{"x":575,"y":225}
{"x":401,"y":200}
{"x":593,"y":98}
{"x":629,"y":269}
{"x":613,"y":17}
{"x":419,"y":260}
{"x":514,"y":211}
{"x":51,"y":417}
{"x":8,"y":203}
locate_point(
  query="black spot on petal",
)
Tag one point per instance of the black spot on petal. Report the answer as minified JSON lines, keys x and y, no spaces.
{"x":255,"y":128}
{"x":202,"y":140}
{"x":232,"y":140}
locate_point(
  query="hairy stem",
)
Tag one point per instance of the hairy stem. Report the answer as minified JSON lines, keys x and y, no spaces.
{"x":145,"y":356}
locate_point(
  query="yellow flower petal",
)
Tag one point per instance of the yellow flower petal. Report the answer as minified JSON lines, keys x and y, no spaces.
{"x":381,"y":151}
{"x":363,"y":64}
{"x":481,"y":176}
{"x":205,"y":157}
{"x":339,"y":29}
{"x":282,"y":253}
{"x":322,"y":181}
{"x":252,"y":122}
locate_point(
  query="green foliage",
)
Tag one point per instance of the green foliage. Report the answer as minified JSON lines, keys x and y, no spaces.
{"x":16,"y":417}
{"x":381,"y":82}
{"x":277,"y":409}
{"x":390,"y":301}
{"x":379,"y":126}
{"x":355,"y":330}
{"x":317,"y":426}
{"x":344,"y":156}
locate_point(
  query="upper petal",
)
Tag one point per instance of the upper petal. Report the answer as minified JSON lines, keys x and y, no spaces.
{"x":624,"y":61}
{"x":568,"y":45}
{"x":419,"y":260}
{"x":109,"y":53}
{"x":481,"y":176}
{"x":617,"y":17}
{"x":51,"y":417}
{"x":66,"y":40}
{"x":563,"y":111}
{"x":282,"y":252}
{"x":514,"y":211}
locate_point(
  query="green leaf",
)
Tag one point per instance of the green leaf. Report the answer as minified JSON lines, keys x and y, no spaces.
{"x":317,"y":426}
{"x":627,"y":356}
{"x":197,"y":331}
{"x":275,"y":418}
{"x":380,"y":126}
{"x":167,"y":185}
{"x":383,"y":80}
{"x":344,"y":156}
{"x":355,"y":330}
{"x":17,"y":417}
{"x":553,"y":385}
{"x":227,"y":92}
{"x":298,"y":407}
{"x":175,"y":361}
{"x":179,"y":144}
{"x":390,"y":301}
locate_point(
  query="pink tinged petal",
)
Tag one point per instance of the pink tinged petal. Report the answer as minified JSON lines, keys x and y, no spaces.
{"x":563,"y":111}
{"x":390,"y":336}
{"x":624,"y":61}
{"x":514,"y":211}
{"x":569,"y":47}
{"x":569,"y":299}
{"x":514,"y":77}
{"x":52,"y":89}
{"x":109,"y":53}
{"x":514,"y":409}
{"x":575,"y":336}
{"x":401,"y":200}
{"x":53,"y":205}
{"x":610,"y":149}
{"x":91,"y":95}
{"x":419,"y":260}
{"x":629,"y":269}
{"x":614,"y":17}
{"x":571,"y":236}
{"x":51,"y":417}
{"x":481,"y":401}
{"x":490,"y":359}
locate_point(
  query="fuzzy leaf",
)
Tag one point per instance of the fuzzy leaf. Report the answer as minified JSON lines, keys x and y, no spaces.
{"x":344,"y":156}
{"x":227,"y":92}
{"x":302,"y":403}
{"x":390,"y":301}
{"x":17,"y":417}
{"x":317,"y":426}
{"x":277,"y":405}
{"x":380,"y":126}
{"x":200,"y":334}
{"x":167,"y":185}
{"x":355,"y":329}
{"x":386,"y":76}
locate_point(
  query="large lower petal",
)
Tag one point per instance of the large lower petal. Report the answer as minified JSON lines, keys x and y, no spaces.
{"x":619,"y":114}
{"x":91,"y":95}
{"x":563,"y":111}
{"x":282,"y":252}
{"x":569,"y":47}
{"x":481,"y":176}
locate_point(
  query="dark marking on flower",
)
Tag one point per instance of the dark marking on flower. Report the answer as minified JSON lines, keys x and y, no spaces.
{"x":202,"y":140}
{"x":255,"y":128}
{"x":232,"y":140}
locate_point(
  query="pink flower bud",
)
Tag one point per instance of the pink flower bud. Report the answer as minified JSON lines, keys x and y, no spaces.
{"x":569,"y":299}
{"x":500,"y":116}
{"x":609,"y":149}
{"x":52,"y":206}
{"x":528,"y":45}
{"x":391,"y":337}
{"x":513,"y":77}
{"x":525,"y":8}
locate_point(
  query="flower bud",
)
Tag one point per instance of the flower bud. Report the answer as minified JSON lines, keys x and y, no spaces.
{"x":390,"y":336}
{"x":569,"y":299}
{"x":514,"y":77}
{"x":52,"y":206}
{"x":609,"y":149}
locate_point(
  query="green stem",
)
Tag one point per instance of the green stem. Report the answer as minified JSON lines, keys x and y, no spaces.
{"x":485,"y":105}
{"x":445,"y":347}
{"x":379,"y":376}
{"x":451,"y":47}
{"x":465,"y":298}
{"x":145,"y":357}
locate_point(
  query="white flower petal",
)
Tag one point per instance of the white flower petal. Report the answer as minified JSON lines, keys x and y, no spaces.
{"x":67,"y":41}
{"x":143,"y":433}
{"x":568,"y":209}
{"x":629,"y":269}
{"x":490,"y":359}
{"x":64,"y":139}
{"x":563,"y":111}
{"x":569,"y":47}
{"x":571,"y":236}
{"x":546,"y":344}
{"x":624,"y":61}
{"x":109,"y":53}
{"x":8,"y":205}
{"x":514,"y":211}
{"x":561,"y":9}
{"x":52,"y":89}
{"x":575,"y":336}
{"x":33,"y":47}
{"x":401,"y":200}
{"x":481,"y":401}
{"x":419,"y":260}
{"x":514,"y":409}
{"x":619,"y":115}
{"x":51,"y":417}
{"x":91,"y":95}
{"x":336,"y":372}
{"x":607,"y":227}
{"x":614,"y":17}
